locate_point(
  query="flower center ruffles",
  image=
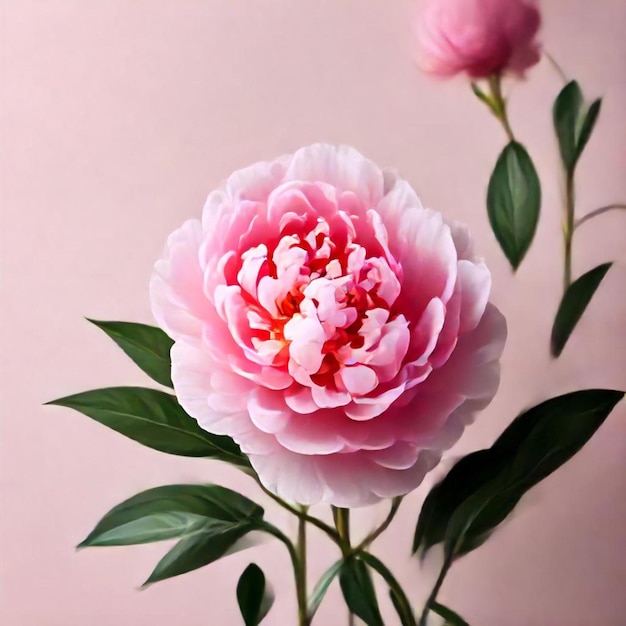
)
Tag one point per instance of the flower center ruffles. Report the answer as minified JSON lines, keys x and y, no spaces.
{"x":311,"y":289}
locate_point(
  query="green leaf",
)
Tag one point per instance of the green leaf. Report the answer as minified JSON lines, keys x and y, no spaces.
{"x":536,"y":444}
{"x":573,"y":305}
{"x":149,"y":347}
{"x":452,"y":618}
{"x":514,"y":201}
{"x":566,"y":116}
{"x":254,"y":597}
{"x":587,"y":126}
{"x":463,"y":480}
{"x":154,"y":419}
{"x":200,"y":549}
{"x":552,"y":432}
{"x":482,"y":489}
{"x":405,"y":619}
{"x":573,"y":124}
{"x":172,"y":511}
{"x":358,"y":591}
{"x":322,"y":587}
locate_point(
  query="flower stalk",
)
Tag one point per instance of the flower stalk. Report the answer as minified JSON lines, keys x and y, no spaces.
{"x":301,"y":570}
{"x":499,"y":105}
{"x":436,"y":588}
{"x":568,"y":230}
{"x":395,"y":505}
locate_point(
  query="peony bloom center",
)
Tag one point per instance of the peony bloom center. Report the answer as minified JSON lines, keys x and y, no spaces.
{"x":317,"y":300}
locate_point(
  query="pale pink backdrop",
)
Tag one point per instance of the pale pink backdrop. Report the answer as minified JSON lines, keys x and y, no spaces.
{"x":119,"y":116}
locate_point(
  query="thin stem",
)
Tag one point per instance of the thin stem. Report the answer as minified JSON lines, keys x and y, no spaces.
{"x":395,"y":505}
{"x":299,"y":569}
{"x":301,"y":514}
{"x":393,"y":584}
{"x":499,"y":104}
{"x":600,"y":211}
{"x":435,"y":591}
{"x":342,"y":523}
{"x":568,"y":229}
{"x":559,"y":70}
{"x":301,"y":590}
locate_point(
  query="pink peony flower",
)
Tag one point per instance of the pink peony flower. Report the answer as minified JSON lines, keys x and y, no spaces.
{"x":478,"y":37}
{"x":335,"y":328}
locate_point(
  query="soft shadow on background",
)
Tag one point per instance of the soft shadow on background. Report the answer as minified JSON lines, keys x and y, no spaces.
{"x":118,"y":118}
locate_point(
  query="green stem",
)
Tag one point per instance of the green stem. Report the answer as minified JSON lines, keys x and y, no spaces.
{"x":301,"y":590}
{"x":395,"y":505}
{"x":568,"y":229}
{"x":393,"y":584}
{"x":435,"y":590}
{"x":299,"y":568}
{"x":499,"y":104}
{"x":559,"y":70}
{"x":342,"y":523}
{"x":600,"y":211}
{"x":318,"y":523}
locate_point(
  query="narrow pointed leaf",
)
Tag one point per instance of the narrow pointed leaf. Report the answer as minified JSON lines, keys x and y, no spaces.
{"x":405,"y":618}
{"x":172,"y":511}
{"x":322,"y":587}
{"x":359,"y":593}
{"x":514,"y":202}
{"x":254,"y":597}
{"x":200,"y":549}
{"x":587,"y":126}
{"x":573,"y":305}
{"x":148,"y":346}
{"x":452,"y":618}
{"x":551,"y":433}
{"x":154,"y":419}
{"x":566,"y":118}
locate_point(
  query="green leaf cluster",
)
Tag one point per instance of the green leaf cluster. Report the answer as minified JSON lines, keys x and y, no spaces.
{"x":483,"y":488}
{"x":150,"y":417}
{"x":573,"y":123}
{"x":208,"y":520}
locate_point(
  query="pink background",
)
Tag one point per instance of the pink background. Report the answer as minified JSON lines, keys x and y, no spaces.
{"x":119,"y":116}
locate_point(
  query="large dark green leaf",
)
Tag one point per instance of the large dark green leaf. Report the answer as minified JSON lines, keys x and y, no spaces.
{"x":358,"y":591}
{"x":255,"y":598}
{"x":551,"y":433}
{"x":464,"y":479}
{"x":172,"y":511}
{"x":149,"y":347}
{"x":154,"y":419}
{"x":537,"y":443}
{"x":573,"y":305}
{"x":572,"y":123}
{"x":514,"y":201}
{"x":483,"y":488}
